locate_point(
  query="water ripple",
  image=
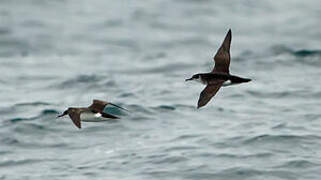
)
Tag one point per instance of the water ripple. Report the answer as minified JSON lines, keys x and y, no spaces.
{"x":300,"y":164}
{"x":81,"y":80}
{"x":280,"y":138}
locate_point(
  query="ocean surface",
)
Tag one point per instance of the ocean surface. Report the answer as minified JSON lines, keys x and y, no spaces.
{"x":60,"y":53}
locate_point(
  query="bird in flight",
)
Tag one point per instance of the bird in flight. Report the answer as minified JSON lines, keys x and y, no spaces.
{"x":90,"y":113}
{"x":220,"y":75}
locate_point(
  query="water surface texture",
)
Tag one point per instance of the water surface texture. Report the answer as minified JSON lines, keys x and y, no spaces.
{"x":60,"y":53}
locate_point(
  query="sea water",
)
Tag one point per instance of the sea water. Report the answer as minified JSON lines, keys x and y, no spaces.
{"x":137,"y":54}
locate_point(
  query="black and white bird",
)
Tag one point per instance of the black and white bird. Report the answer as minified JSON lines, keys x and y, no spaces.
{"x":220,"y":75}
{"x":93,"y":113}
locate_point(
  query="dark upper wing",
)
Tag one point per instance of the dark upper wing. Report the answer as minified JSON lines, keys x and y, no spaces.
{"x":222,"y":57}
{"x":106,"y":115}
{"x":75,"y":117}
{"x":98,"y":106}
{"x":209,"y":91}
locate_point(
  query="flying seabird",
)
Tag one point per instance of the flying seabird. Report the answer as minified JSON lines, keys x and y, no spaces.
{"x":89,"y":114}
{"x":220,"y":75}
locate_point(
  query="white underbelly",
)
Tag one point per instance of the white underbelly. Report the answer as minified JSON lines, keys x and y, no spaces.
{"x":227,"y":83}
{"x":91,"y":117}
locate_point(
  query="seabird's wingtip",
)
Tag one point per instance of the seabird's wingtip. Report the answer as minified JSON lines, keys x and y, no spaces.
{"x":229,"y":31}
{"x":119,"y":107}
{"x":78,"y":125}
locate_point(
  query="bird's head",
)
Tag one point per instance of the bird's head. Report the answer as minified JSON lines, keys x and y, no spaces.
{"x":194,"y":77}
{"x":64,"y":113}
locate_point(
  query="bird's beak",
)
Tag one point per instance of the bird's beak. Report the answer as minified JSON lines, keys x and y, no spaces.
{"x":63,"y":114}
{"x":189,"y":79}
{"x":60,"y":115}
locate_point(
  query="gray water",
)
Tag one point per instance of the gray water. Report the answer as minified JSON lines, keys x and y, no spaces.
{"x":56,"y":54}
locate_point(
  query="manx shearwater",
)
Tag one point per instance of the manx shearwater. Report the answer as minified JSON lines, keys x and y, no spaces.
{"x":220,"y":75}
{"x":94,"y":111}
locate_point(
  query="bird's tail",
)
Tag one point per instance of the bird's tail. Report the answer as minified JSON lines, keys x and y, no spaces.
{"x":236,"y":79}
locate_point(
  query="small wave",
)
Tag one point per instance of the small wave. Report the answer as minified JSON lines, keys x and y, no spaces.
{"x":305,"y":52}
{"x":279,"y":126}
{"x":138,"y":108}
{"x":22,"y":107}
{"x":164,"y":108}
{"x":127,"y":95}
{"x":5,"y":152}
{"x":169,"y":160}
{"x":230,"y":173}
{"x":4,"y":31}
{"x":12,"y":47}
{"x":29,"y":128}
{"x":180,"y":148}
{"x":32,"y":144}
{"x":281,"y":94}
{"x":16,"y":120}
{"x":253,"y":173}
{"x":9,"y":140}
{"x":164,"y":69}
{"x":33,"y":24}
{"x":192,"y":41}
{"x":292,"y":127}
{"x":184,"y":106}
{"x":48,"y":112}
{"x":44,"y":112}
{"x":158,"y":55}
{"x":298,"y":164}
{"x":111,"y":23}
{"x":18,"y":162}
{"x":9,"y":163}
{"x":305,"y":56}
{"x":139,"y":112}
{"x":36,"y":103}
{"x":280,"y":49}
{"x":185,"y":137}
{"x":279,"y":138}
{"x":237,"y":156}
{"x":312,"y":116}
{"x":239,"y":171}
{"x":284,"y":94}
{"x":87,"y":80}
